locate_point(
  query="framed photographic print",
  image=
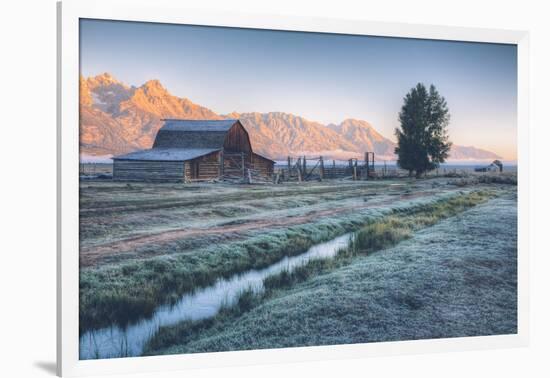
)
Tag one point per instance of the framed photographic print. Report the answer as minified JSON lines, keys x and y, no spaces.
{"x":244,"y":188}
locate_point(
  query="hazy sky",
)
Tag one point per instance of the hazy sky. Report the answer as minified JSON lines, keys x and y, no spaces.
{"x":322,"y":77}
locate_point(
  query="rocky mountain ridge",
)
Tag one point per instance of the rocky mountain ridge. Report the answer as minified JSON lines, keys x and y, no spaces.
{"x":116,"y":118}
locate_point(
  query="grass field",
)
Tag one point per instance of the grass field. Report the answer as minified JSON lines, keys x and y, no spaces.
{"x":144,"y":245}
{"x":456,"y":278}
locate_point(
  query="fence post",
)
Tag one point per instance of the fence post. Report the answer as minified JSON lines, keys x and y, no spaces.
{"x":367,"y":162}
{"x":289,"y":167}
{"x":242,"y":162}
{"x":321,"y":168}
{"x":304,"y":170}
{"x":221,"y":164}
{"x":299,"y":169}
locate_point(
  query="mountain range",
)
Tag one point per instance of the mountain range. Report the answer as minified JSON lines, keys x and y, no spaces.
{"x":116,"y":118}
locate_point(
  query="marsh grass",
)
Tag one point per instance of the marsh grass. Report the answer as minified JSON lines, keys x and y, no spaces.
{"x":376,"y":235}
{"x":131,"y":291}
{"x":189,"y":329}
{"x":380,"y":234}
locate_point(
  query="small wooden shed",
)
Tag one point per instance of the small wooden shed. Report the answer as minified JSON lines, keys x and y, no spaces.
{"x":192,"y":150}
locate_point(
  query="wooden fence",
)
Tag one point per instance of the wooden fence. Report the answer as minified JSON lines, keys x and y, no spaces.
{"x":307,"y":169}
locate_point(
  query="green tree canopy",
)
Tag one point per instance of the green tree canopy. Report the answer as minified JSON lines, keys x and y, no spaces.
{"x":422,"y":140}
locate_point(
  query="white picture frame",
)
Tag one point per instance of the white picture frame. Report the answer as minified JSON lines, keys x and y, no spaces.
{"x":165,"y":11}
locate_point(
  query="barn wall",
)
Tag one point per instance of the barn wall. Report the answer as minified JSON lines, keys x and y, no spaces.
{"x":209,"y":167}
{"x":139,"y":170}
{"x":237,"y":140}
{"x":262,"y":165}
{"x":233,"y":165}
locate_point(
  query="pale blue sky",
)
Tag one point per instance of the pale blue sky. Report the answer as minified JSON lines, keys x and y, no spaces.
{"x":322,"y":77}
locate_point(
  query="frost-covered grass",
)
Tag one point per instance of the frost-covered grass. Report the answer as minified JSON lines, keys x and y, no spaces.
{"x":376,"y":234}
{"x":381,"y":233}
{"x":127,"y":291}
{"x":455,"y":278}
{"x":114,"y":211}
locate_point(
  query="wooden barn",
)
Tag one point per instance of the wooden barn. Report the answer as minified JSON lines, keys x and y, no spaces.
{"x":193,"y":150}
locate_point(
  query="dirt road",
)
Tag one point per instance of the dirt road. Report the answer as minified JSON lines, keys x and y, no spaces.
{"x":90,"y":255}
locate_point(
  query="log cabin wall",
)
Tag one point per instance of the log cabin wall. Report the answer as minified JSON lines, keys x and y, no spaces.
{"x":262,"y":165}
{"x":203,"y":168}
{"x":140,"y":170}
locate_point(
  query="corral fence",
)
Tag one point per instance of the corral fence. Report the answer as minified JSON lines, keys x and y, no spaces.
{"x":305,"y":168}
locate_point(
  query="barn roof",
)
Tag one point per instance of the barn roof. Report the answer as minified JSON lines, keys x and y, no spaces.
{"x":198,"y":125}
{"x":263,"y":157}
{"x":167,"y":154}
{"x":181,"y":140}
{"x":178,"y":133}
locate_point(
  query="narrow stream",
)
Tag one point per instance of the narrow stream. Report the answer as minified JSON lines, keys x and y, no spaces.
{"x":114,"y":341}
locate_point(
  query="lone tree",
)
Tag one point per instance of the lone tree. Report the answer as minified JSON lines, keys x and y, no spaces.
{"x":422,"y":141}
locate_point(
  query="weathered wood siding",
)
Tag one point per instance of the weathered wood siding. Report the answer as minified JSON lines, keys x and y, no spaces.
{"x":234,"y":159}
{"x":236,"y":165}
{"x":237,"y":140}
{"x":203,"y":168}
{"x":262,"y":165}
{"x":187,"y":171}
{"x":140,"y":170}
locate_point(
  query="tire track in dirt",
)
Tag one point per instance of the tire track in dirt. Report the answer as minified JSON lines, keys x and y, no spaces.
{"x":91,"y":255}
